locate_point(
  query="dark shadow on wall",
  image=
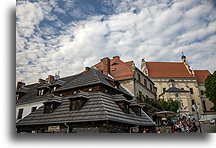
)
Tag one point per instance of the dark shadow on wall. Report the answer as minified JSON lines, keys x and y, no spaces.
{"x":15,"y":137}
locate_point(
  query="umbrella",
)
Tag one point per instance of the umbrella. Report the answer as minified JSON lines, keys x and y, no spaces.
{"x":165,"y":114}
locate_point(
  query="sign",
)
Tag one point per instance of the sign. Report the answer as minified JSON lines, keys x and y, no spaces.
{"x":53,"y":128}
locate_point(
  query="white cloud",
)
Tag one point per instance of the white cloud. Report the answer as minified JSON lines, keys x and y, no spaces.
{"x":156,"y":31}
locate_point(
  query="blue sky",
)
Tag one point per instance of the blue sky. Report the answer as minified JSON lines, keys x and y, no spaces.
{"x":68,"y":35}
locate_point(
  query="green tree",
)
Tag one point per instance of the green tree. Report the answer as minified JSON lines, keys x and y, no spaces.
{"x":210,"y":88}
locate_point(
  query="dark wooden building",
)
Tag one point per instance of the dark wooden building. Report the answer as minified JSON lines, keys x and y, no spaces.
{"x":90,"y":102}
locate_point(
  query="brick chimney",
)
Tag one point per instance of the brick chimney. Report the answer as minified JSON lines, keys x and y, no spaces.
{"x":40,"y":81}
{"x":20,"y":85}
{"x":116,"y":57}
{"x":106,"y":65}
{"x":50,"y":78}
{"x":87,"y":68}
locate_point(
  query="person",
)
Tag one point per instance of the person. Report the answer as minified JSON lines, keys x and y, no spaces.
{"x":193,"y":128}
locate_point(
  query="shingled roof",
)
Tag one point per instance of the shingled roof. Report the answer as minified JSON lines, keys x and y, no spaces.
{"x":91,"y":77}
{"x":168,"y":69}
{"x":99,"y":107}
{"x":201,"y":75}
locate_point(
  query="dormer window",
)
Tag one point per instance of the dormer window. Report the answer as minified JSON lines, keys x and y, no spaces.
{"x":77,"y":101}
{"x":40,"y":92}
{"x":122,"y":102}
{"x":76,"y":104}
{"x":123,"y":105}
{"x":17,"y":96}
{"x":51,"y":104}
{"x":20,"y":93}
{"x":136,"y":109}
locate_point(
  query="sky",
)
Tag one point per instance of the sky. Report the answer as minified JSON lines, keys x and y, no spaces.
{"x":69,"y":35}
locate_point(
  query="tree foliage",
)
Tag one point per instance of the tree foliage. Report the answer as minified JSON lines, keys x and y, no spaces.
{"x":169,"y":105}
{"x":210,"y":88}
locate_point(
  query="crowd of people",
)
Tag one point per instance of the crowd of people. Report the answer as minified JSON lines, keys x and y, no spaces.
{"x":184,"y":125}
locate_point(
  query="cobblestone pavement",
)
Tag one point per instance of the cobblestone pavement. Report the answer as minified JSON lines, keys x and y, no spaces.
{"x":207,"y":128}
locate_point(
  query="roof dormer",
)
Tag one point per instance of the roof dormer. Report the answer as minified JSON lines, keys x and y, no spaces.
{"x":78,"y":100}
{"x":42,"y":90}
{"x":122,"y":102}
{"x":52,"y":103}
{"x":136,"y":108}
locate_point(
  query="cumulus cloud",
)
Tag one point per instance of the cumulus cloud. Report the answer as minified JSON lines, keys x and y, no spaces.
{"x":154,"y":30}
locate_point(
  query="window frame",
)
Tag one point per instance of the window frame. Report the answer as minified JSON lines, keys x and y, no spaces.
{"x":20,"y":113}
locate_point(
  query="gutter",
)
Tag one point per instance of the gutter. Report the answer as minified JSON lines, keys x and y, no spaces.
{"x":67,"y":127}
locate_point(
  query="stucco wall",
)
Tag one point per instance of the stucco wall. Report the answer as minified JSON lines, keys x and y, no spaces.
{"x":27,"y":108}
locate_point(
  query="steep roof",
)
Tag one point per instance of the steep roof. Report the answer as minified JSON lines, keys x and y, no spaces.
{"x":168,"y":69}
{"x":91,"y":77}
{"x":99,"y":107}
{"x":118,"y":69}
{"x":201,"y":75}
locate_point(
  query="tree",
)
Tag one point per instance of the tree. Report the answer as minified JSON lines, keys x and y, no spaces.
{"x":210,"y":88}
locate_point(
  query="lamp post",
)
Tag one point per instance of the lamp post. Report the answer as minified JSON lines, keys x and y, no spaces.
{"x":196,"y":107}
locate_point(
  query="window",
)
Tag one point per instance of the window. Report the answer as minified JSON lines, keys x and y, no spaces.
{"x":17,"y":96}
{"x":77,"y":104}
{"x":20,"y":113}
{"x":182,"y":88}
{"x":136,"y":110}
{"x":145,"y":82}
{"x":204,"y":105}
{"x":123,"y":106}
{"x":193,"y":102}
{"x":164,"y":89}
{"x":191,"y":91}
{"x":50,"y":107}
{"x":176,"y":95}
{"x":40,"y":92}
{"x":33,"y":109}
{"x":151,"y":87}
{"x":138,"y":76}
{"x":202,"y":92}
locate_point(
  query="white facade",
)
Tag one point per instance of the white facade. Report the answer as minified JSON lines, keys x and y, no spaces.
{"x":27,"y":108}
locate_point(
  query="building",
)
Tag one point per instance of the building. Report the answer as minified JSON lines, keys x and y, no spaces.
{"x":89,"y":102}
{"x":177,"y":80}
{"x":127,"y":74}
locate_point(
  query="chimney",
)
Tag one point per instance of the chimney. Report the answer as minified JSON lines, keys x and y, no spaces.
{"x":116,"y":57}
{"x":50,"y":78}
{"x":20,"y":85}
{"x":106,"y":65}
{"x":87,"y":68}
{"x":40,"y":81}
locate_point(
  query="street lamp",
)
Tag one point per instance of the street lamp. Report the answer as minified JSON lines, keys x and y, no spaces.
{"x":196,"y":107}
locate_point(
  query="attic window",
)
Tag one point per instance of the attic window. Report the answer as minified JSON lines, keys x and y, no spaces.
{"x":78,"y":100}
{"x":17,"y":96}
{"x":113,"y":69}
{"x":40,"y":92}
{"x":124,"y":106}
{"x":50,"y":107}
{"x":77,"y":104}
{"x":136,"y":109}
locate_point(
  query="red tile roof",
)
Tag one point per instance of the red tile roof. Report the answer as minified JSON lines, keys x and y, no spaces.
{"x":201,"y":75}
{"x":168,"y":69}
{"x":118,"y":69}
